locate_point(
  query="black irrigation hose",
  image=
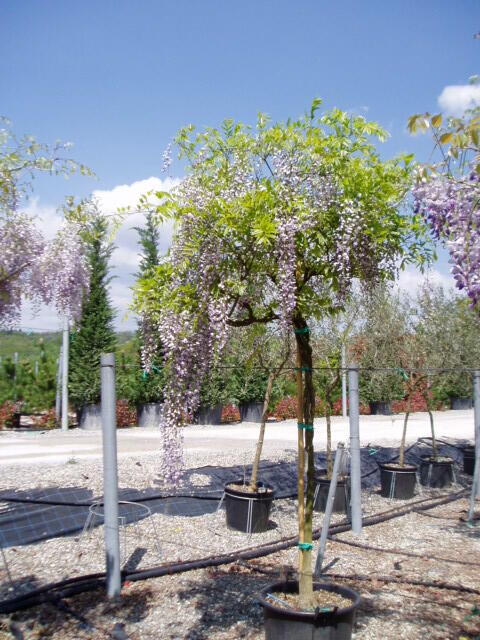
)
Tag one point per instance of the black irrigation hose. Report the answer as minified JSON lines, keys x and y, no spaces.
{"x":398,"y":552}
{"x":79,"y":584}
{"x":397,"y":579}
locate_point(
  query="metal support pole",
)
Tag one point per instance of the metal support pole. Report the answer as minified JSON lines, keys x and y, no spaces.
{"x":15,"y":365}
{"x":65,"y":376}
{"x":110,"y":479}
{"x":476,"y":470}
{"x":355,"y":474}
{"x":344,"y":383}
{"x":36,"y":369}
{"x":337,"y":465}
{"x":58,"y":397}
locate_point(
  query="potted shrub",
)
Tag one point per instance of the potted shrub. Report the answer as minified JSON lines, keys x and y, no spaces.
{"x":376,"y":350}
{"x":429,"y":354}
{"x":269,"y":226}
{"x":213,"y":395}
{"x":327,"y":347}
{"x":248,"y":503}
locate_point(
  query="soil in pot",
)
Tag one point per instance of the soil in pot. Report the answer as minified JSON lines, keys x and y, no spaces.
{"x":458,"y":404}
{"x":341,"y":503}
{"x":247,"y":510}
{"x":210,"y":415}
{"x":332,"y":619}
{"x":436,"y":473}
{"x":251,"y":411}
{"x":469,"y":460}
{"x":396,"y":481}
{"x":381,"y":408}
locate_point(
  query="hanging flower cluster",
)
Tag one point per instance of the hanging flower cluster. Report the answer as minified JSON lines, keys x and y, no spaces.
{"x":62,"y":274}
{"x":45,"y":272}
{"x":451,"y":208}
{"x":21,"y":246}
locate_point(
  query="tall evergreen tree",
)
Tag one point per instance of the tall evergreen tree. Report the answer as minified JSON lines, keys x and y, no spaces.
{"x":94,"y":334}
{"x":149,"y":387}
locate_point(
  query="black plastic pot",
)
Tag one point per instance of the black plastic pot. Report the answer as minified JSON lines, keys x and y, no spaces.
{"x":381,"y":408}
{"x":469,"y":459}
{"x":397,"y":482}
{"x":149,"y":415}
{"x":436,"y":473}
{"x":249,"y":512}
{"x":15,"y":421}
{"x":89,"y":417}
{"x":210,"y":415}
{"x":460,"y":403}
{"x":341,"y":501}
{"x":285,"y":624}
{"x":251,"y":411}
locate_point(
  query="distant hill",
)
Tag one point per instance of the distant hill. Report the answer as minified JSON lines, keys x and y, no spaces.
{"x":29,"y":345}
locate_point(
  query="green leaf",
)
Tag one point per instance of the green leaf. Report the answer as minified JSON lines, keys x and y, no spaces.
{"x":437,"y":120}
{"x":446,"y":137}
{"x":315,"y":106}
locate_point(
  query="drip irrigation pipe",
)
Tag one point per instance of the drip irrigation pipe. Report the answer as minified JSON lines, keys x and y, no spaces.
{"x":399,"y":580}
{"x":395,"y":552}
{"x":79,"y":584}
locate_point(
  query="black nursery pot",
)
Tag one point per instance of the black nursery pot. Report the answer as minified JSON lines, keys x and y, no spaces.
{"x":342,"y":495}
{"x":436,"y":473}
{"x":381,"y":408}
{"x":251,"y":411}
{"x":210,"y":415}
{"x":459,"y":404}
{"x":286,"y":624}
{"x":469,"y":460}
{"x":247,"y":511}
{"x":397,"y":482}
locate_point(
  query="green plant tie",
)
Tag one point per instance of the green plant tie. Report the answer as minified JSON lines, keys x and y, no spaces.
{"x":403,"y":373}
{"x":72,"y":337}
{"x":144,"y":374}
{"x":303,"y":369}
{"x":156,"y":369}
{"x":373,"y":451}
{"x":305,"y":546}
{"x":304,"y":330}
{"x":307,"y":427}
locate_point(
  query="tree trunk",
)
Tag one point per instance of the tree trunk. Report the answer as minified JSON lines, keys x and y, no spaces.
{"x":258,"y":453}
{"x":305,"y":415}
{"x":401,"y":460}
{"x":430,"y":414}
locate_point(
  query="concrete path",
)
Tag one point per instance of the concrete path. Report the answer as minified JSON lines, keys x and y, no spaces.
{"x":52,"y":447}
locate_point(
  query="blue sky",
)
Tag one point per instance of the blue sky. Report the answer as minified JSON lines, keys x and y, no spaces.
{"x":119,"y":78}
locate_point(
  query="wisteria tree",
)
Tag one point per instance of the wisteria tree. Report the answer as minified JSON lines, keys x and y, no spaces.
{"x":447,"y":193}
{"x":50,"y":272}
{"x":273,"y":224}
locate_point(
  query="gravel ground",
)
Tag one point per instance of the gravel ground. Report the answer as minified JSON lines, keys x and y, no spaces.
{"x":220,"y":603}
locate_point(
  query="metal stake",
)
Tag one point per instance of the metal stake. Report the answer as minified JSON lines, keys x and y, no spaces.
{"x":65,"y":376}
{"x":328,"y":508}
{"x":476,"y":471}
{"x":355,"y":473}
{"x":344,"y":383}
{"x":110,"y":479}
{"x":58,"y":397}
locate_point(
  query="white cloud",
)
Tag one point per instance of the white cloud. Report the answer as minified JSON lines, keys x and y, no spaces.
{"x":456,"y":99}
{"x":411,"y":280}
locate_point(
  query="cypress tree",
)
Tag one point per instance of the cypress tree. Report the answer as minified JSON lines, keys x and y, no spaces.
{"x":149,"y":386}
{"x":94,"y":334}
